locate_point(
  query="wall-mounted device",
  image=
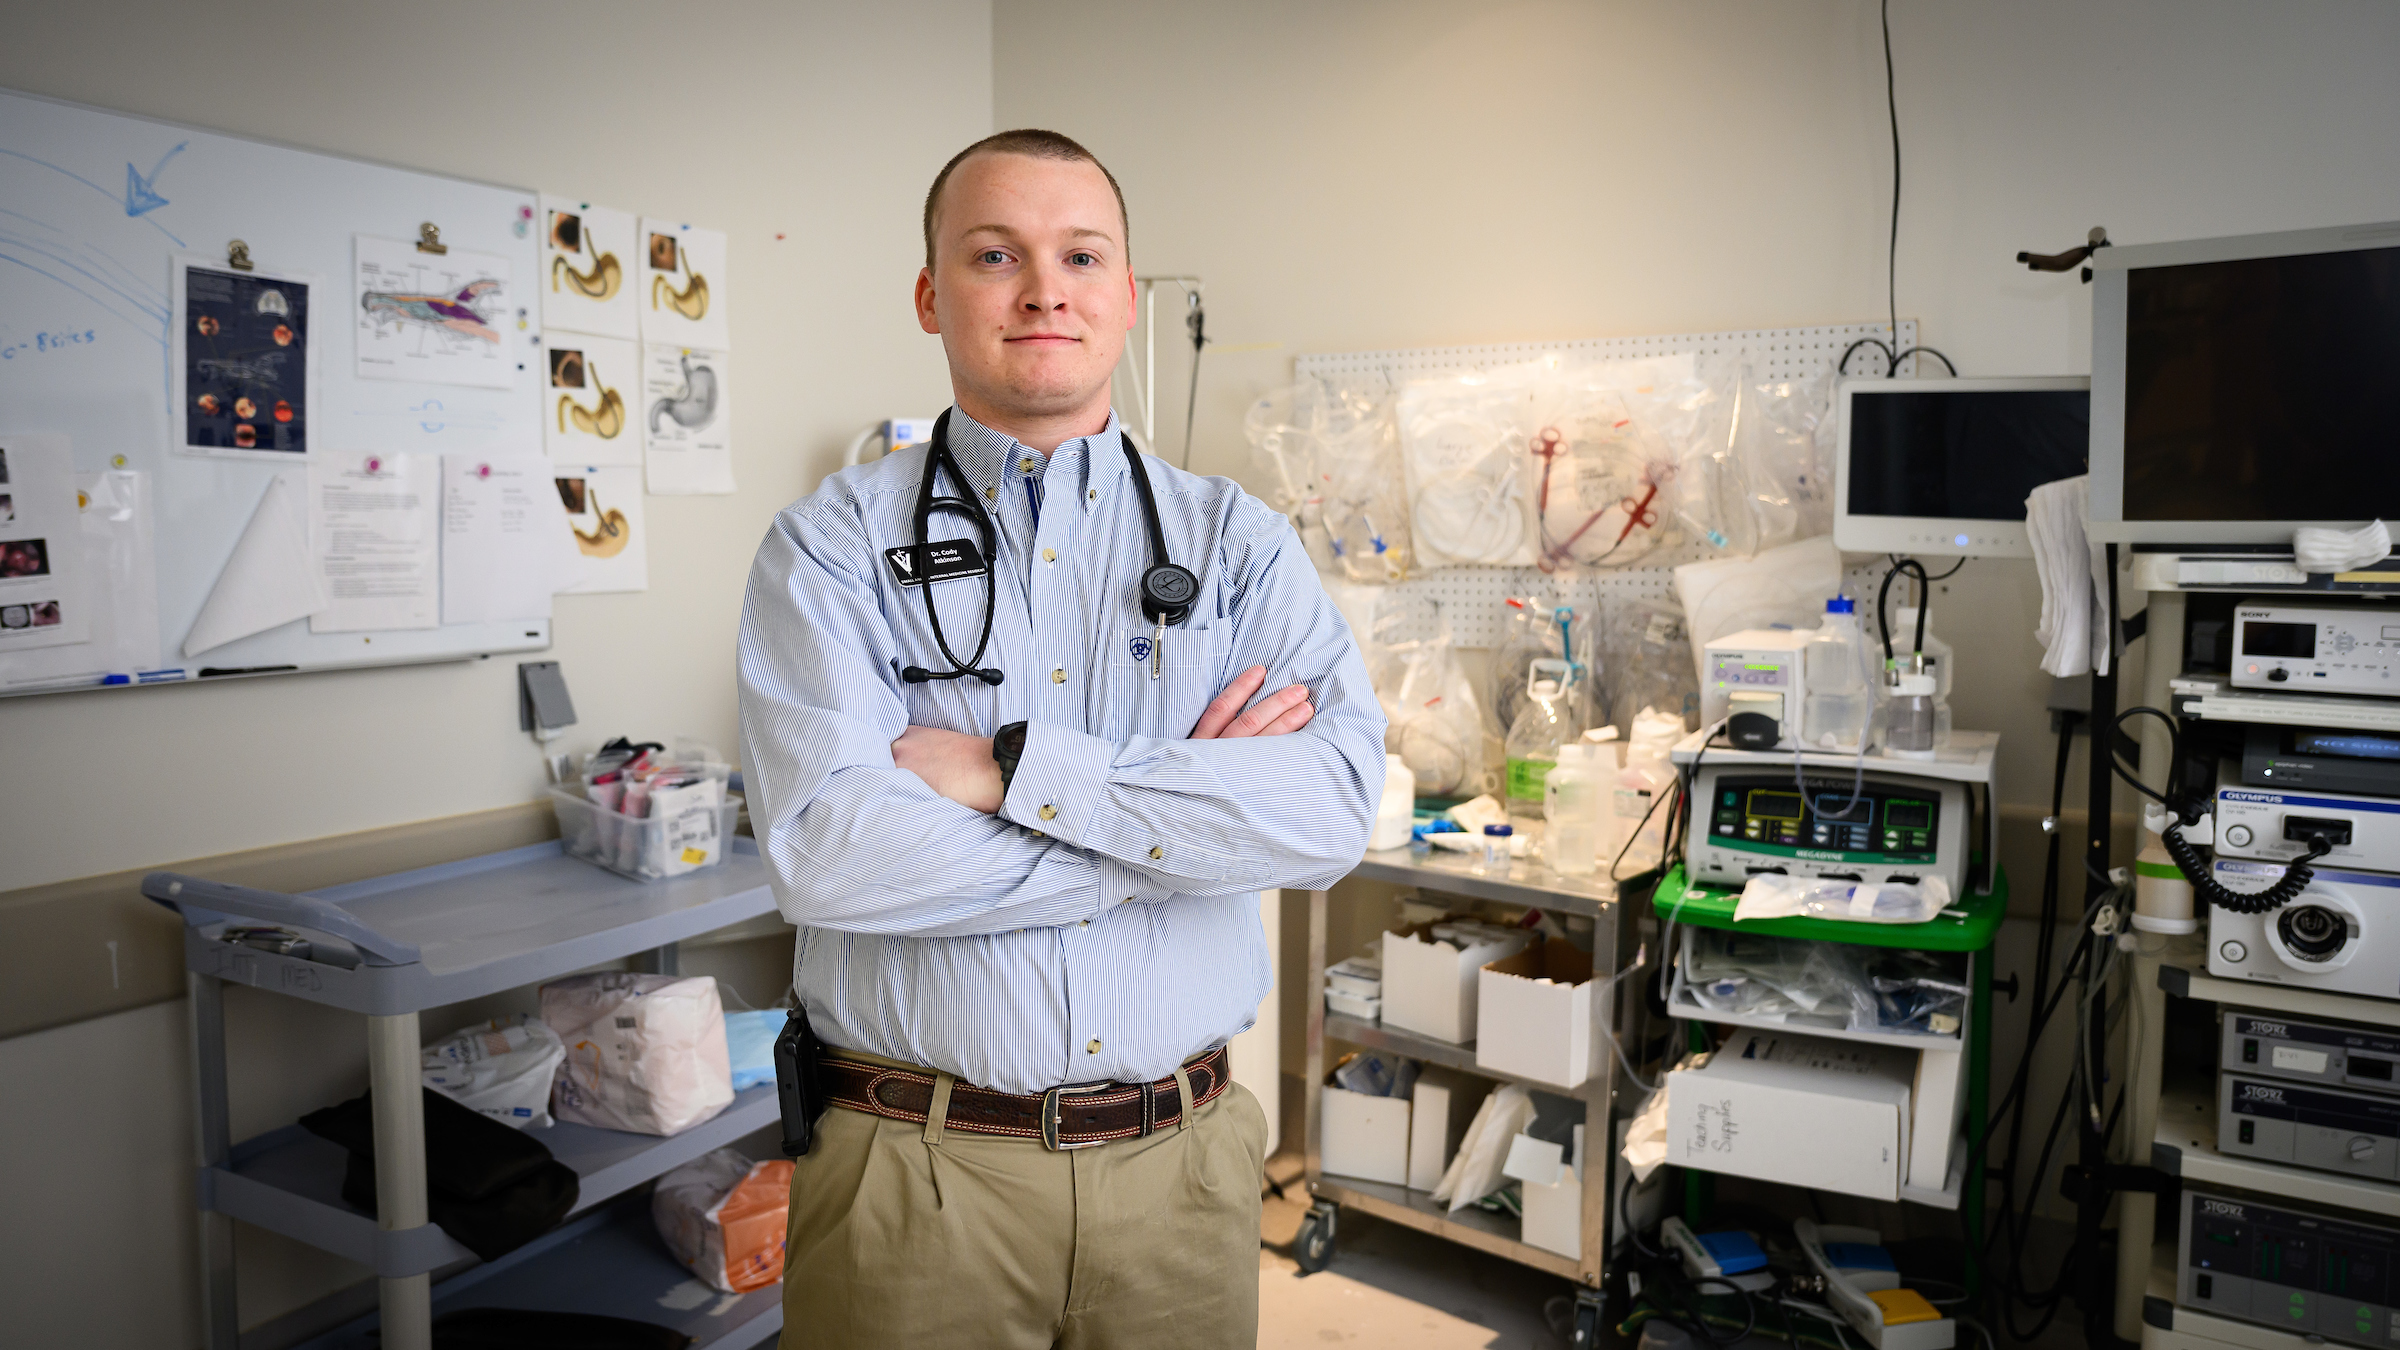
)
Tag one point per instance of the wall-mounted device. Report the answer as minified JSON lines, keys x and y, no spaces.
{"x":2311,"y":1050}
{"x":1747,"y":819}
{"x":2355,"y":1133}
{"x":2275,"y":825}
{"x":1944,"y":466}
{"x":1752,"y":681}
{"x":2242,"y":387}
{"x":2322,"y":761}
{"x":2298,"y":1273}
{"x":888,"y":437}
{"x":2336,"y":936}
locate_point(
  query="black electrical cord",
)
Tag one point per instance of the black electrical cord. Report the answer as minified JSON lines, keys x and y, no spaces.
{"x":2297,"y":874}
{"x":1938,"y":576}
{"x":1891,"y":257}
{"x":1883,"y":619}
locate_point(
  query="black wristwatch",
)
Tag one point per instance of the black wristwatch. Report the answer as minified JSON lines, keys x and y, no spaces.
{"x":1008,"y":746}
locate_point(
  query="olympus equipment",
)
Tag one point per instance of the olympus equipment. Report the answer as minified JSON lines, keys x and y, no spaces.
{"x":2273,"y":825}
{"x":2334,"y":936}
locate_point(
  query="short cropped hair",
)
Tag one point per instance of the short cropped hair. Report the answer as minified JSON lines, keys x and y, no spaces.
{"x":1036,"y":144}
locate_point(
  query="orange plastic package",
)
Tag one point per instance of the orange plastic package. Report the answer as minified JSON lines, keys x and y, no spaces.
{"x":723,"y":1217}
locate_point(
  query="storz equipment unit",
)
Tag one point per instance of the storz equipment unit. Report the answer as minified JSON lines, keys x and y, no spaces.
{"x":2311,"y":1050}
{"x":1749,"y":818}
{"x":2334,"y":1279}
{"x":2355,"y":1133}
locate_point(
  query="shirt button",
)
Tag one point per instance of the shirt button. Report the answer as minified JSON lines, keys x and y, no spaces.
{"x":1049,"y":555}
{"x":1049,"y":812}
{"x":1093,"y":1047}
{"x":1059,"y":676}
{"x":1126,"y":901}
{"x":1156,"y":852}
{"x":1093,"y":495}
{"x":991,"y":493}
{"x":1025,"y":465}
{"x":1085,"y":924}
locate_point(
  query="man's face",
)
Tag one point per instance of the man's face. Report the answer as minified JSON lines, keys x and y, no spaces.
{"x":1030,"y":288}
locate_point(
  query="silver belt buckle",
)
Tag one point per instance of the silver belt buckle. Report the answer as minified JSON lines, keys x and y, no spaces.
{"x":1052,"y":1100}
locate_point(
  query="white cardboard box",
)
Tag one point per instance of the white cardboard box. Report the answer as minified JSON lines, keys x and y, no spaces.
{"x":1550,"y":1195}
{"x":1941,"y":1104}
{"x":1534,"y":1014}
{"x":1429,"y":985}
{"x":1438,"y":1117}
{"x":1778,"y":1106}
{"x":1365,"y":1137}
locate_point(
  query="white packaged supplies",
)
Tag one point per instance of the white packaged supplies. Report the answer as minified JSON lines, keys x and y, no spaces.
{"x":501,"y":1068}
{"x":722,"y":1215}
{"x":645,"y":1053}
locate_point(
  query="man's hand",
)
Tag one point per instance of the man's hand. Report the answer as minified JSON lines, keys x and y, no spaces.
{"x":961,"y":767}
{"x":954,"y":764}
{"x":1224,"y":720}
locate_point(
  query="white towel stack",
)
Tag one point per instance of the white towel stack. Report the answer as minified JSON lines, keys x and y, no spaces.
{"x":2318,"y":550}
{"x":2074,"y":572}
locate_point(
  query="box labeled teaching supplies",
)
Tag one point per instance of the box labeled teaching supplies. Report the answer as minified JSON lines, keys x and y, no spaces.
{"x":686,"y":829}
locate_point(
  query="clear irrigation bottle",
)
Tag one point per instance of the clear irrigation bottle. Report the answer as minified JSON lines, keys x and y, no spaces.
{"x":1937,"y":664}
{"x":1577,"y":790}
{"x":1835,"y":673}
{"x":1545,"y":722}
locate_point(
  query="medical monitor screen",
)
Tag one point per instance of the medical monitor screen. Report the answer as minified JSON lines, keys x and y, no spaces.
{"x":2265,"y":389}
{"x":1962,"y":454}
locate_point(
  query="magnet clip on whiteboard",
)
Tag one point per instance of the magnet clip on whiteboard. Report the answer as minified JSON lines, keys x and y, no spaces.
{"x":237,"y":255}
{"x":429,"y":238}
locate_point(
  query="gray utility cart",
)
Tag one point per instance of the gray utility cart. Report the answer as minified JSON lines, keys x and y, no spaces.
{"x":428,"y":938}
{"x":1530,"y":884}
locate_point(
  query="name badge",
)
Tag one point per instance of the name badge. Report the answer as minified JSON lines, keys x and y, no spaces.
{"x":942,"y":560}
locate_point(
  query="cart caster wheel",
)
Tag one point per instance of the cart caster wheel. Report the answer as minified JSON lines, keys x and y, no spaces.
{"x":1312,"y":1247}
{"x":1587,"y":1324}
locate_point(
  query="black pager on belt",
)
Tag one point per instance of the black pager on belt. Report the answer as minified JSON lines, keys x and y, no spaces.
{"x":797,"y":1087}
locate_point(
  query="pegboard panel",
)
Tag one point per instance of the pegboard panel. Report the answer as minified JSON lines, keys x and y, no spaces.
{"x":1774,"y":353}
{"x":1473,"y":600}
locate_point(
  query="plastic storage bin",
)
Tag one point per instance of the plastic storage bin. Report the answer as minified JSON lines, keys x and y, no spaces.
{"x":645,"y":848}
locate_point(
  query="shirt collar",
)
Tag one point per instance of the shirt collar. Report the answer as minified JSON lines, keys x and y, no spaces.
{"x":991,"y":457}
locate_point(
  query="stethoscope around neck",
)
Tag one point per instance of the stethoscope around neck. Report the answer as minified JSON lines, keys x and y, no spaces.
{"x":1167,"y":589}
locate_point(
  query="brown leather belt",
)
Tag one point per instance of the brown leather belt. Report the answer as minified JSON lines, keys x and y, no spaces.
{"x":1061,"y":1118}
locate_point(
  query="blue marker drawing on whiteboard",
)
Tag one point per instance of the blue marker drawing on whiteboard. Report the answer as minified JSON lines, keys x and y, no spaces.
{"x":141,"y":193}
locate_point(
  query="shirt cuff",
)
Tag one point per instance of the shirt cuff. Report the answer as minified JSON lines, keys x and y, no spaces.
{"x":1061,"y":780}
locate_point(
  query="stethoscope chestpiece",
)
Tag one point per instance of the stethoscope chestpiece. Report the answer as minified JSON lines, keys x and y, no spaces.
{"x":1168,"y":591}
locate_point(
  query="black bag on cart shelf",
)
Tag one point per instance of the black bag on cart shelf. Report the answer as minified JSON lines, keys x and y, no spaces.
{"x":491,"y":1186}
{"x":518,"y":1329}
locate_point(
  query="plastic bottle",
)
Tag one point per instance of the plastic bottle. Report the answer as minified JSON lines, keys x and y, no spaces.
{"x":1908,"y":712}
{"x":1496,"y":846}
{"x":1834,"y":667}
{"x":1938,"y":664}
{"x":1572,"y":797}
{"x":1641,"y":786}
{"x":1396,"y":813}
{"x":2162,"y":895}
{"x":1545,"y":722}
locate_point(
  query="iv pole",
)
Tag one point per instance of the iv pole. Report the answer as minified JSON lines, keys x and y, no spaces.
{"x":1145,"y":376}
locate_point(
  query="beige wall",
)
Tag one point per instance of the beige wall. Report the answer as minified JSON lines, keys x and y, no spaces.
{"x":820,"y":123}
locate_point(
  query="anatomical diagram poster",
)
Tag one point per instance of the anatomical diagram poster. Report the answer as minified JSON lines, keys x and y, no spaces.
{"x":243,"y":363}
{"x":687,"y":420}
{"x":436,"y":318}
{"x":591,"y":399}
{"x":589,"y":269}
{"x":682,"y":295}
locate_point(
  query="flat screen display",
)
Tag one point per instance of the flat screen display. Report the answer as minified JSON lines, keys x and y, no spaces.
{"x":2266,"y":389}
{"x":1909,"y":815}
{"x":1963,"y":455}
{"x":2297,"y":641}
{"x":1775,"y":805}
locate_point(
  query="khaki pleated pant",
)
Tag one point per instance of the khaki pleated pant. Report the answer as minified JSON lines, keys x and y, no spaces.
{"x":914,"y":1235}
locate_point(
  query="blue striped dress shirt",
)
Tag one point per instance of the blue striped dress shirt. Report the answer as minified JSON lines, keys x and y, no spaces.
{"x":1105,"y":924}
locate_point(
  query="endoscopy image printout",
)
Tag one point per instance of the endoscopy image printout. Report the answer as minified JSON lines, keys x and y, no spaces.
{"x":2264,"y":389}
{"x":244,"y":352}
{"x":1966,"y":455}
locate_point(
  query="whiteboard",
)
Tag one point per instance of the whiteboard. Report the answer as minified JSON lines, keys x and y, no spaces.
{"x":94,"y":205}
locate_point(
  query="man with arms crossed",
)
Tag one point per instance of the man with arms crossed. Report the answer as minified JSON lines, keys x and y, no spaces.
{"x":1028,"y":908}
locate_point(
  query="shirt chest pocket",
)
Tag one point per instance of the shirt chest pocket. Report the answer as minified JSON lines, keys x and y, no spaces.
{"x":1190,"y":672}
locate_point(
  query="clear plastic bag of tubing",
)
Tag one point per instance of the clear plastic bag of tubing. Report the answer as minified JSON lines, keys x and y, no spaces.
{"x":1429,"y":707}
{"x":1749,"y":974}
{"x":1283,"y":446}
{"x":1645,"y":658}
{"x":1557,"y":621}
{"x":1460,"y":446}
{"x":1602,"y":478}
{"x":1787,"y":482}
{"x":1365,"y":505}
{"x":1771,"y":895}
{"x":1682,"y":413}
